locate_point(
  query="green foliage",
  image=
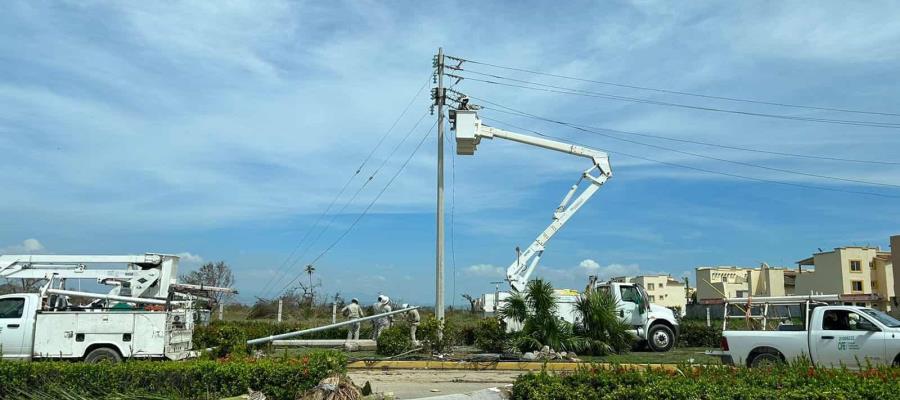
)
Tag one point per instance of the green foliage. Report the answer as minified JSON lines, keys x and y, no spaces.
{"x":394,"y":340}
{"x":195,"y":379}
{"x":712,"y":383}
{"x":229,"y":340}
{"x":432,"y":341}
{"x":514,"y":308}
{"x":490,"y":336}
{"x":601,"y":328}
{"x":697,"y":334}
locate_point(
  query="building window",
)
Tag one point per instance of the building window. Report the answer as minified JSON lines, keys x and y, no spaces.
{"x":662,"y":285}
{"x":856,"y":286}
{"x":650,"y":286}
{"x":855,"y":266}
{"x":652,"y":298}
{"x":874,"y":285}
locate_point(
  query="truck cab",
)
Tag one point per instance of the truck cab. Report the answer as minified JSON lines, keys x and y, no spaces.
{"x":655,"y":326}
{"x":17,"y":325}
{"x":832,"y":336}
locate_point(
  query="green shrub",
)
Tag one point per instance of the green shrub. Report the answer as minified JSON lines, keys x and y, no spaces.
{"x":697,"y":334}
{"x":490,"y":336}
{"x":712,"y":383}
{"x":194,"y":379}
{"x":229,"y":340}
{"x":394,"y":340}
{"x":432,"y":341}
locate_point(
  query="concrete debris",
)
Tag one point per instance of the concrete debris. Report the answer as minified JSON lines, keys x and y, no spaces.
{"x":547,"y":354}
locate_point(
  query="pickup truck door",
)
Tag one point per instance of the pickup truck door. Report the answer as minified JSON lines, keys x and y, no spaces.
{"x":846,"y":337}
{"x":629,"y":305}
{"x":13,"y":327}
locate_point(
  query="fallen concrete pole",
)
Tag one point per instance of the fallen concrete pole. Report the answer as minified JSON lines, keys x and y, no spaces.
{"x":325,"y":327}
{"x":362,"y":344}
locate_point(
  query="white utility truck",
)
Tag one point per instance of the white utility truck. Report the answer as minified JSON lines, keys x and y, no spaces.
{"x":653,"y":324}
{"x":830,"y":336}
{"x":146,"y":314}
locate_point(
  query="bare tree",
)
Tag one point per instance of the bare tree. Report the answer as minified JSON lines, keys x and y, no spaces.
{"x":212,"y":274}
{"x":473,"y":303}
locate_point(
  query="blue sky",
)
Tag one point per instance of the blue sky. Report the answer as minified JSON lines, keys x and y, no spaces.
{"x":221,"y":131}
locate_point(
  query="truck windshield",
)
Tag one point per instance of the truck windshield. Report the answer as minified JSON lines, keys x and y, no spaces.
{"x":882,"y":317}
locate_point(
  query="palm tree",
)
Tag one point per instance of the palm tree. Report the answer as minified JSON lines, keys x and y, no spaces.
{"x":600,"y":327}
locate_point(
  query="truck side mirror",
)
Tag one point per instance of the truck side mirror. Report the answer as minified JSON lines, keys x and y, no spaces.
{"x":866,"y":325}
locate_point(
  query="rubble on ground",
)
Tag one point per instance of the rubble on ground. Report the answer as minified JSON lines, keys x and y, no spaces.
{"x":548,"y":354}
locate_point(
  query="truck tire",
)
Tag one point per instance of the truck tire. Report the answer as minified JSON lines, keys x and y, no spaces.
{"x":103,"y":354}
{"x":766,"y":359}
{"x":661,"y":338}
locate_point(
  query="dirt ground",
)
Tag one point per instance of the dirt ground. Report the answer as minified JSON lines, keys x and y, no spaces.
{"x":412,"y":384}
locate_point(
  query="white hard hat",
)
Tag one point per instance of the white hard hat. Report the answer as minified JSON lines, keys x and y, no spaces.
{"x":404,"y":305}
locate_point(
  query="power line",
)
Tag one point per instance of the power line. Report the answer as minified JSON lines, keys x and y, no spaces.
{"x":359,"y":190}
{"x":748,"y":149}
{"x":586,"y":129}
{"x":369,"y":207}
{"x":281,"y":268}
{"x":736,"y":99}
{"x":586,"y":93}
{"x":771,"y":181}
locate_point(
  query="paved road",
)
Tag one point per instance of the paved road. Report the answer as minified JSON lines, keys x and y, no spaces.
{"x":412,"y":384}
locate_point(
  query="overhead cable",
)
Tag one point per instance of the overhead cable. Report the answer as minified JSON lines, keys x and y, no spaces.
{"x":679,"y":165}
{"x":586,"y":93}
{"x":683,"y":93}
{"x":369,"y":207}
{"x":282,"y":267}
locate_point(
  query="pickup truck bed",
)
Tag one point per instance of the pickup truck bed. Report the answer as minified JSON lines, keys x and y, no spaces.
{"x":854,"y":337}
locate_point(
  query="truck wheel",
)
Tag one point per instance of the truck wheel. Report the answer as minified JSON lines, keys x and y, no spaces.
{"x":103,"y":354}
{"x":766,"y":360}
{"x":661,"y":338}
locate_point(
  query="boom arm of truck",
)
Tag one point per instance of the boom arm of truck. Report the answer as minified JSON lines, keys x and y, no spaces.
{"x":470,"y":131}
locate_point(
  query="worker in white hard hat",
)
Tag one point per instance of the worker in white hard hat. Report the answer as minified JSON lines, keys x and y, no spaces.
{"x":412,"y":316}
{"x":383,"y":305}
{"x":353,"y":311}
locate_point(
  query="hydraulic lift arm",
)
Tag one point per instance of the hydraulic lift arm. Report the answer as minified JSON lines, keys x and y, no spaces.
{"x":470,"y":131}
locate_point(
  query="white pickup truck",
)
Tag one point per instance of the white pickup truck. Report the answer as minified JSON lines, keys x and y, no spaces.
{"x":833,"y":336}
{"x":29,"y":332}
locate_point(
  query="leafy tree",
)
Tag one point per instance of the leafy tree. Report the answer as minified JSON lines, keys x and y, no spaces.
{"x":212,"y":274}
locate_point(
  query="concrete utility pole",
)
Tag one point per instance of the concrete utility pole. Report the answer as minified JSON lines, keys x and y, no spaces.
{"x":439,"y":253}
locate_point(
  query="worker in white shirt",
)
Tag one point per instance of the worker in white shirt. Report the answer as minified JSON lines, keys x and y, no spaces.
{"x":412,"y":316}
{"x":353,"y":311}
{"x":383,"y":305}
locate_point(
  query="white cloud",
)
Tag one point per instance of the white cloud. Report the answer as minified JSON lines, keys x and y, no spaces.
{"x":189,"y":258}
{"x":591,"y":267}
{"x":485,"y":270}
{"x":28,"y":246}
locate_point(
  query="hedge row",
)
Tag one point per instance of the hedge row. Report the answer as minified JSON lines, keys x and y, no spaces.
{"x":218,"y":332}
{"x":197,"y":379}
{"x":697,"y":334}
{"x":711,"y":383}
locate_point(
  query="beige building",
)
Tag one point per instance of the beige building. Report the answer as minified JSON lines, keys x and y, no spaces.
{"x":663,"y":290}
{"x":895,"y":260}
{"x":864,"y":275}
{"x":715,"y":283}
